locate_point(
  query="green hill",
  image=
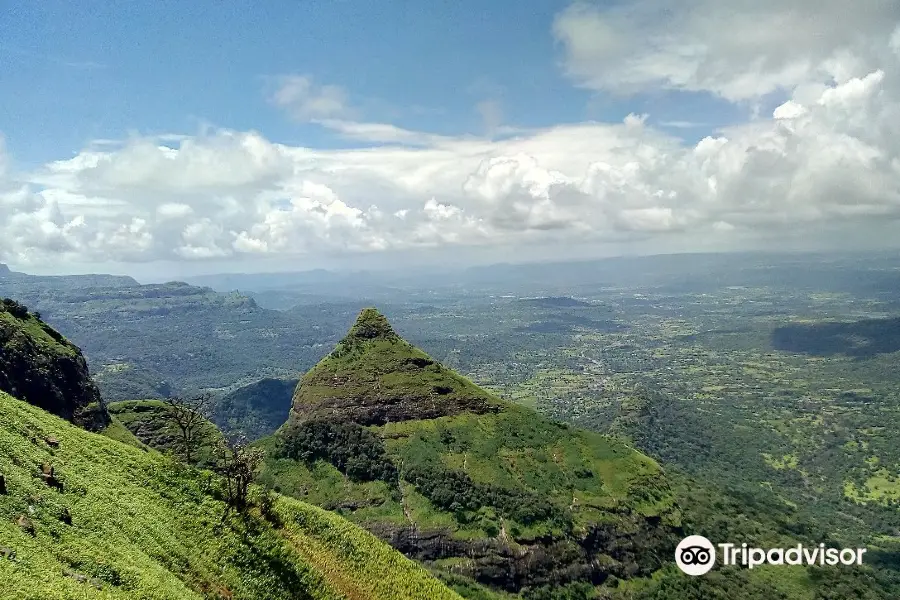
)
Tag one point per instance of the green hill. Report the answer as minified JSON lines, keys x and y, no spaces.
{"x":375,"y":377}
{"x":477,"y":488}
{"x":148,"y":423}
{"x":83,"y":515}
{"x":129,"y":524}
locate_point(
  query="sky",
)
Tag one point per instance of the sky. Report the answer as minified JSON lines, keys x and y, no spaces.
{"x":172,"y":137}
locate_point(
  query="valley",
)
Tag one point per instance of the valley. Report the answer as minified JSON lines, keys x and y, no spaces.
{"x":764,"y":387}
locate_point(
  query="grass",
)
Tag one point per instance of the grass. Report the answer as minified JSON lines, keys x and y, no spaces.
{"x":144,"y":527}
{"x":116,"y":430}
{"x":30,"y":329}
{"x":882,"y":486}
{"x":520,"y":450}
{"x":372,"y":364}
{"x":788,"y":461}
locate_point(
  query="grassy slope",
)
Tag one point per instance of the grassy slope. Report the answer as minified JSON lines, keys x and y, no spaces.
{"x":38,"y":333}
{"x":148,"y":421}
{"x":515,"y":449}
{"x":144,"y":527}
{"x":372,"y":365}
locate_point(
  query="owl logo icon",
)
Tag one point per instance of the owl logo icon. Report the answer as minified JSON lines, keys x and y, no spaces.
{"x":695,"y":555}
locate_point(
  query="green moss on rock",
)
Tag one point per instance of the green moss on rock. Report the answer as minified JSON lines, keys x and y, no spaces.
{"x":374,"y":377}
{"x":38,"y":365}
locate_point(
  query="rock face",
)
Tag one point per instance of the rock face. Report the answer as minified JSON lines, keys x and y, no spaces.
{"x":41,"y":367}
{"x":497,"y":563}
{"x":374,"y":377}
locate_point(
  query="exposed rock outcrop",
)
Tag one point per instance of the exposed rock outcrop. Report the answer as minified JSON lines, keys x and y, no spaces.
{"x":38,"y":365}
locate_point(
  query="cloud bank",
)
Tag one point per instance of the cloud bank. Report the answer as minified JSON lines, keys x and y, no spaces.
{"x":829,"y":154}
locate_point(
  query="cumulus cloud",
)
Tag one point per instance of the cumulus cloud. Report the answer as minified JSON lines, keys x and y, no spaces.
{"x":738,"y":51}
{"x":827,"y":155}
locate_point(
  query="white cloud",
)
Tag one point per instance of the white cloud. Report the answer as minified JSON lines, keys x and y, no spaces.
{"x":679,"y":124}
{"x":225,"y":161}
{"x":173,"y":210}
{"x":828,"y":155}
{"x":383,"y":133}
{"x":303,"y":99}
{"x":738,"y":51}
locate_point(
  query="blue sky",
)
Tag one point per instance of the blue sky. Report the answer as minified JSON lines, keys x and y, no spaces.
{"x":75,"y":72}
{"x":198,"y":136}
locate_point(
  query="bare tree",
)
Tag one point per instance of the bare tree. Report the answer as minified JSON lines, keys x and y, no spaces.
{"x":189,"y":414}
{"x":237,"y":463}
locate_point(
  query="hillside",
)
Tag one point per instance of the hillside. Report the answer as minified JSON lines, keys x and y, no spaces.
{"x":150,"y":424}
{"x":40,"y":366}
{"x":127,"y":523}
{"x":256,"y":409}
{"x":83,"y":515}
{"x":375,"y":377}
{"x":475,"y":487}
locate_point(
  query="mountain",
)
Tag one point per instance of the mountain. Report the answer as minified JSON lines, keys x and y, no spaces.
{"x":40,"y":366}
{"x":150,"y":341}
{"x":256,"y":409}
{"x":375,"y":377}
{"x":483,"y":491}
{"x":67,"y":282}
{"x":83,"y":515}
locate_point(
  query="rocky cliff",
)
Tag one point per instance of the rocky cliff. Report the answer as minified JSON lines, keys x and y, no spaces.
{"x":39,"y":366}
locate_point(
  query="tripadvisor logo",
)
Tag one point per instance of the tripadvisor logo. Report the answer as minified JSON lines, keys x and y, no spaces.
{"x":696,"y":555}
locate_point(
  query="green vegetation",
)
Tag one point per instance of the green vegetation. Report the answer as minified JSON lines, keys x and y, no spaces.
{"x":131,"y":524}
{"x":149,"y":421}
{"x":257,"y":409}
{"x":374,"y":377}
{"x":353,"y":449}
{"x":390,"y":438}
{"x":42,"y":367}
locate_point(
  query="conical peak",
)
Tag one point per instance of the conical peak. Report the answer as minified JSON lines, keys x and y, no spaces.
{"x":374,"y":377}
{"x":370,"y":325}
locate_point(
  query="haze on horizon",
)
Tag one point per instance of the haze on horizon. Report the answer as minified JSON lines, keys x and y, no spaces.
{"x":166,"y":139}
